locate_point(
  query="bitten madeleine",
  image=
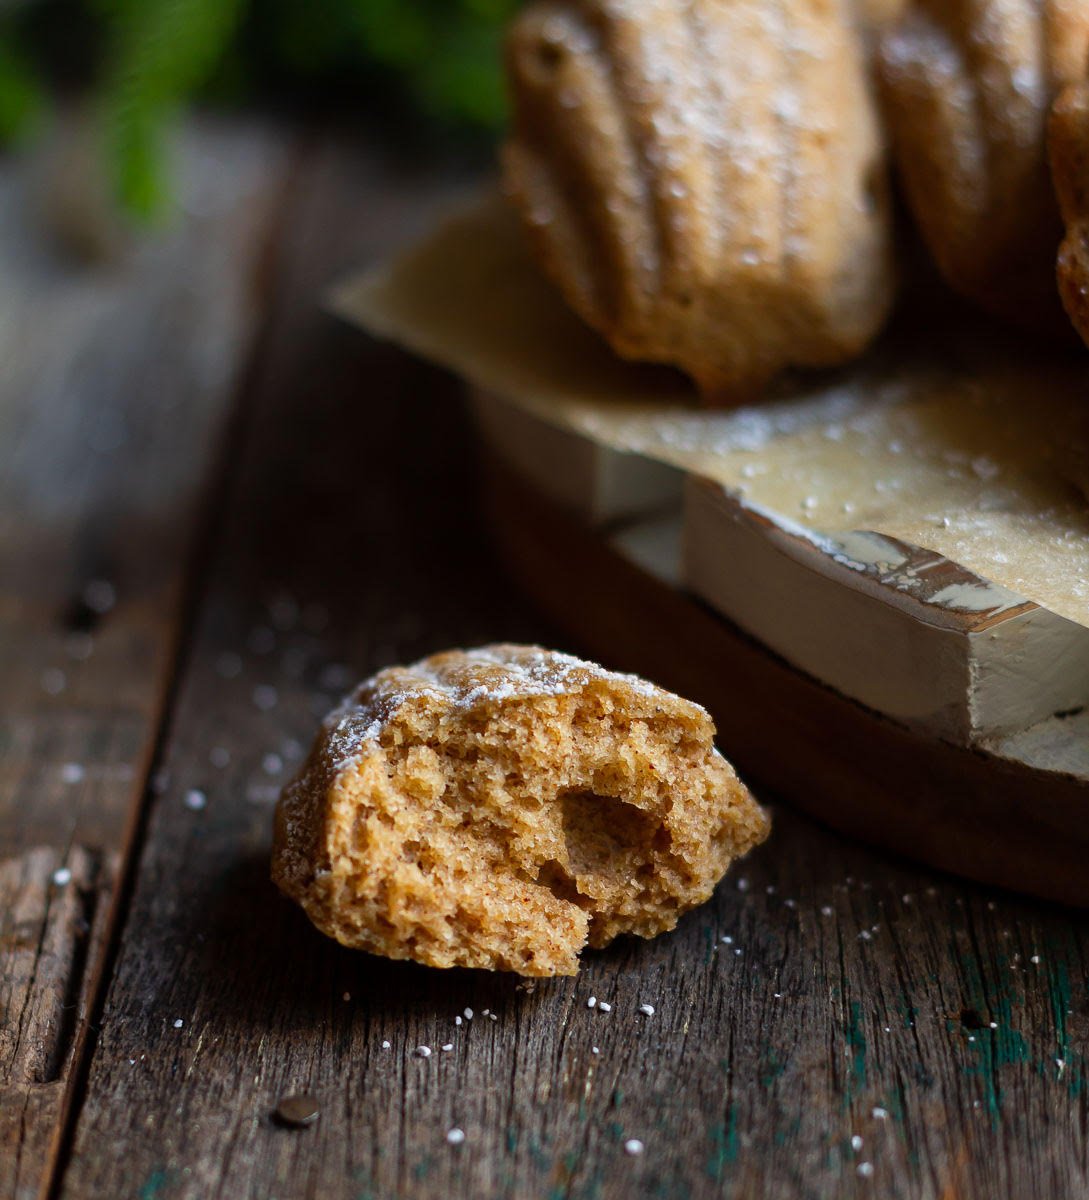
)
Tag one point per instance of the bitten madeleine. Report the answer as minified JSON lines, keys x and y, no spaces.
{"x":968,"y":85}
{"x":503,"y":807}
{"x":705,"y":181}
{"x":1069,"y":143}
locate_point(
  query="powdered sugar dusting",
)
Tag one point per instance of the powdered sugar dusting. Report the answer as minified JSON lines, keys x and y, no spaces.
{"x":463,"y":680}
{"x":731,"y":133}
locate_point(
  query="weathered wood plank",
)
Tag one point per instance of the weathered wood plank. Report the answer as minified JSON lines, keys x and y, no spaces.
{"x":53,"y":910}
{"x":854,"y":999}
{"x":115,"y":386}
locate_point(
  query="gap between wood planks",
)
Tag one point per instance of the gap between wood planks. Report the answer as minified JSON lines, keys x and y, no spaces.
{"x":79,"y":349}
{"x":288,"y":289}
{"x":262,"y":285}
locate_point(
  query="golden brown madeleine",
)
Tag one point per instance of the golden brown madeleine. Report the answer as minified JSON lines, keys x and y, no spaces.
{"x":704,"y":180}
{"x":504,"y":807}
{"x":968,"y":85}
{"x":877,"y":15}
{"x":1069,"y":142}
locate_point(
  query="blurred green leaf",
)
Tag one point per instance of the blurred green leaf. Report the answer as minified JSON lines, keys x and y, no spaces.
{"x":161,"y":52}
{"x":443,"y":53}
{"x":21,"y":100}
{"x":440,"y":58}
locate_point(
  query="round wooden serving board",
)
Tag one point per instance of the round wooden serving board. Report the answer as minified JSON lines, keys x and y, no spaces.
{"x":978,"y":813}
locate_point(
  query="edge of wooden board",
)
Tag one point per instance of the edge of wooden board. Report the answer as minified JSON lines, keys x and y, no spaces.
{"x":898,"y":628}
{"x":961,"y":809}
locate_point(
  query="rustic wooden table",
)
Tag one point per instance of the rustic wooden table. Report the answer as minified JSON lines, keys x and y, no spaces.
{"x":219,"y":507}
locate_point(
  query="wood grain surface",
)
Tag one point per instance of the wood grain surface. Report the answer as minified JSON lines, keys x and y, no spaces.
{"x":834,"y":1023}
{"x":116,"y":385}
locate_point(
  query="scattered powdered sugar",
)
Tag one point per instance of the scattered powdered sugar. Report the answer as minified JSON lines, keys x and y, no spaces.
{"x":229,"y":665}
{"x":54,"y":681}
{"x":463,"y":681}
{"x":100,"y":596}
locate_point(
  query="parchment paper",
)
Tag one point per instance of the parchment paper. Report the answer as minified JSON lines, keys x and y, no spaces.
{"x":973,"y":445}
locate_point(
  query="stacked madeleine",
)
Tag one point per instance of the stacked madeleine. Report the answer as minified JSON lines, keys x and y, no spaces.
{"x":706,"y":181}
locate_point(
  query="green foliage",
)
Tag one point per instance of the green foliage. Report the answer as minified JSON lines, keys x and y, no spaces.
{"x":161,"y":52}
{"x":445,"y":54}
{"x":441,"y":57}
{"x":20,"y":95}
{"x":447,"y":50}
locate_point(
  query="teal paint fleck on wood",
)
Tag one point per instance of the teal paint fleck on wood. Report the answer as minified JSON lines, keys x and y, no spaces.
{"x":1068,"y":1065}
{"x":856,"y":1043}
{"x":993,"y":1049}
{"x":709,"y":945}
{"x":724,"y":1145}
{"x":773,"y":1067}
{"x":1059,"y":981}
{"x":154,"y":1184}
{"x":670,"y":1189}
{"x":787,"y":1132}
{"x":542,"y":1160}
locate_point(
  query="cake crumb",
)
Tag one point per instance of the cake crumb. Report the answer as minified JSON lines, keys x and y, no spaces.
{"x":595,"y":867}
